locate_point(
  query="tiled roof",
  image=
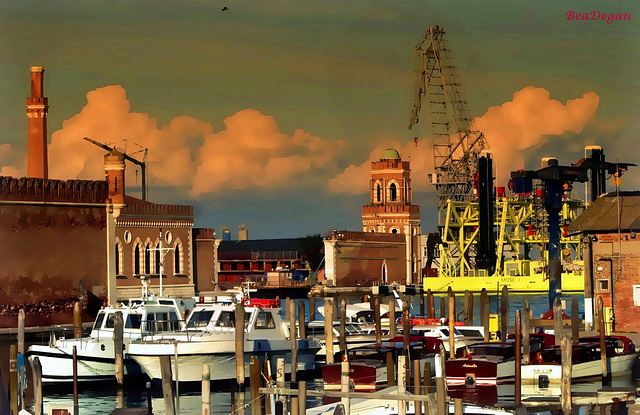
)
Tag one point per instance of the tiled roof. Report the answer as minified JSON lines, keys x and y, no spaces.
{"x":602,"y":215}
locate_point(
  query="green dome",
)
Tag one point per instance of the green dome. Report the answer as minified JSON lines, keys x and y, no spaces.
{"x":390,"y":154}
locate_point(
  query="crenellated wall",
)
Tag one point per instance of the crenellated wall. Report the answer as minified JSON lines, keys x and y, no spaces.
{"x":43,"y":190}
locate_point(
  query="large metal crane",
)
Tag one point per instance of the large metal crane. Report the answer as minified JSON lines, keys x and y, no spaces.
{"x":142,"y":164}
{"x":457,"y":146}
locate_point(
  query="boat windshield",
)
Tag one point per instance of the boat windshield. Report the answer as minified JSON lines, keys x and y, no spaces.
{"x":99,"y":319}
{"x":200,"y":318}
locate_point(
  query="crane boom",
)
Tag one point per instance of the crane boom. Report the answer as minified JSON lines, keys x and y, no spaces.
{"x":142,"y":164}
{"x":458,"y":145}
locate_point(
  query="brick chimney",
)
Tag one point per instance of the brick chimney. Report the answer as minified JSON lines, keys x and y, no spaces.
{"x":114,"y":171}
{"x":37,"y":108}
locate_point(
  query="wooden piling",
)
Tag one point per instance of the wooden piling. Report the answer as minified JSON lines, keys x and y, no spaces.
{"x":575,"y":321}
{"x":467,"y":316}
{"x":417,"y":378}
{"x":402,"y":383}
{"x":302,"y":397}
{"x":206,"y":389}
{"x":565,"y":347}
{"x":526,"y":329}
{"x":312,"y":308}
{"x":287,"y":311}
{"x":36,"y":369}
{"x":518,"y":347}
{"x":291,"y":306}
{"x":441,"y":396}
{"x":485,"y":315}
{"x":427,"y":376}
{"x":302,"y":328}
{"x":343,"y":323}
{"x":458,"y":406}
{"x":392,"y":317}
{"x":13,"y":377}
{"x":77,"y":320}
{"x":423,"y":305}
{"x":280,"y":372}
{"x":376,"y":316}
{"x":266,"y":399}
{"x":504,"y":313}
{"x":118,"y":347}
{"x":452,"y":322}
{"x":391,"y":371}
{"x":558,"y":328}
{"x":328,"y":330}
{"x":406,"y":326}
{"x":239,"y":340}
{"x":21,"y":318}
{"x":167,"y":387}
{"x":254,"y":382}
{"x":443,"y":307}
{"x":603,"y":345}
{"x":294,"y":406}
{"x":75,"y":379}
{"x":344,"y":385}
{"x":431,"y":309}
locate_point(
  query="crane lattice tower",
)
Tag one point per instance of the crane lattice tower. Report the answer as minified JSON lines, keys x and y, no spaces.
{"x":457,"y":145}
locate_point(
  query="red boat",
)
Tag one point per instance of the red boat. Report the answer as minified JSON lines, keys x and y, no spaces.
{"x":490,"y":363}
{"x":368,"y":364}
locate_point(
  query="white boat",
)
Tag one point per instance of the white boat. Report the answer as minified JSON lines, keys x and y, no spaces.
{"x":95,"y":354}
{"x":210,"y":340}
{"x":463,"y":335}
{"x":544,"y":374}
{"x":355,"y":336}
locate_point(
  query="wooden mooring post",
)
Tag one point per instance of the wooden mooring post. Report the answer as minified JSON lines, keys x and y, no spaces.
{"x":431,"y":308}
{"x":558,"y":327}
{"x":391,"y":377}
{"x":167,"y":386}
{"x":417,"y":378}
{"x":344,"y":385}
{"x":575,"y":321}
{"x":376,"y":316}
{"x":312,"y":308}
{"x":118,"y":347}
{"x":77,"y":320}
{"x":406,"y":325}
{"x":13,"y":377}
{"x":302,"y":397}
{"x":526,"y":328}
{"x":504,"y":313}
{"x":402,"y":384}
{"x":206,"y":389}
{"x":36,"y":369}
{"x":293,"y":333}
{"x":254,"y":382}
{"x":452,"y":322}
{"x":328,"y":330}
{"x":392,"y":317}
{"x":239,"y":340}
{"x":21,"y":323}
{"x":484,"y":313}
{"x":343,"y":324}
{"x":566,"y":348}
{"x":302,"y":328}
{"x":75,"y":381}
{"x":603,"y":346}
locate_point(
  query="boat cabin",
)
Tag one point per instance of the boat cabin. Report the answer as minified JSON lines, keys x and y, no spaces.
{"x":259,"y":315}
{"x":140,"y":319}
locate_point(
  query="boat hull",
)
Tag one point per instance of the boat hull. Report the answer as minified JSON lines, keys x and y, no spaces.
{"x":479,"y":372}
{"x":57,"y":364}
{"x":219,"y":356}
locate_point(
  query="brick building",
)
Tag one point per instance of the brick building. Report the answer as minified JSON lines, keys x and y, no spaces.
{"x":610,"y":229}
{"x":64,"y":238}
{"x":388,"y":248}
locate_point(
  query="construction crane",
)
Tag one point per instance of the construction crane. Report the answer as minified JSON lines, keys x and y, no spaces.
{"x":458,"y":145}
{"x":142,"y":164}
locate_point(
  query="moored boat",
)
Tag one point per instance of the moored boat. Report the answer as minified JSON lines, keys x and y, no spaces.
{"x":209,"y":339}
{"x":95,"y":353}
{"x":544,"y":374}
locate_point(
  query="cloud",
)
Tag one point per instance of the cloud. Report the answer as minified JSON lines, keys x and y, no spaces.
{"x":354,"y":179}
{"x":250,"y":153}
{"x":530,"y":120}
{"x":527,"y":122}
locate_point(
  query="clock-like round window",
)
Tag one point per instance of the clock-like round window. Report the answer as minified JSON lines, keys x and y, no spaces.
{"x":168,"y":237}
{"x":127,"y":236}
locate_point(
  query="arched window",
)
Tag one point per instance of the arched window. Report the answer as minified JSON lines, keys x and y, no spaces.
{"x":136,"y":259}
{"x":378,"y":193}
{"x":394,"y":230}
{"x":157,"y":261}
{"x":147,"y":259}
{"x":119,"y":258}
{"x":384,"y":272}
{"x":393,"y":192}
{"x":177,"y":258}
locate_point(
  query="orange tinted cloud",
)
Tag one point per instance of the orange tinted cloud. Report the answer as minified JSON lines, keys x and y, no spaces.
{"x":530,"y":120}
{"x":355,"y":178}
{"x":251,"y":152}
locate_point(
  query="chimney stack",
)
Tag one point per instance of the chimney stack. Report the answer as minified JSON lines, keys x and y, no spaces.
{"x":37,"y":109}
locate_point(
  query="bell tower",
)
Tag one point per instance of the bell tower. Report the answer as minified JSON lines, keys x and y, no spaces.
{"x":37,"y":109}
{"x":390,"y":210}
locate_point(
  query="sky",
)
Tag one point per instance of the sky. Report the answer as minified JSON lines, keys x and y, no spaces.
{"x":268,"y":114}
